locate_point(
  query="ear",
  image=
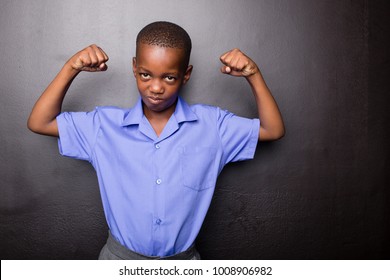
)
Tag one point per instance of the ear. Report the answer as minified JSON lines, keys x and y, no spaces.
{"x":135,"y":66}
{"x":187,"y":74}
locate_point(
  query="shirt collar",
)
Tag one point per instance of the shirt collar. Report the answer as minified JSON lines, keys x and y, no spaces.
{"x":183,"y":113}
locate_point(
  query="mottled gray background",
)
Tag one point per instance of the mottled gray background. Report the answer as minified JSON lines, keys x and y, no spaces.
{"x":319,"y":193}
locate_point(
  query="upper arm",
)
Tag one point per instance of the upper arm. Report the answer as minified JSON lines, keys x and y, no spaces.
{"x":50,"y":129}
{"x":77,"y":133}
{"x":266,"y":135}
{"x":239,"y":136}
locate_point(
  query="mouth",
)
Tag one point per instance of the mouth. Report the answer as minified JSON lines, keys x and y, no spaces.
{"x":154,"y":99}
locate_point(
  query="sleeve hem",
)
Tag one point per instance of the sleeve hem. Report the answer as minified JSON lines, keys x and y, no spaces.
{"x":65,"y":146}
{"x":254,"y":139}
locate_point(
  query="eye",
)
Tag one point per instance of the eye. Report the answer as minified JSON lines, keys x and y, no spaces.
{"x":170,"y":78}
{"x":144,"y":76}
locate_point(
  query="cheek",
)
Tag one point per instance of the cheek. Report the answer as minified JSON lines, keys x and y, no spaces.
{"x":175,"y":87}
{"x":142,"y":86}
{"x":172,"y":90}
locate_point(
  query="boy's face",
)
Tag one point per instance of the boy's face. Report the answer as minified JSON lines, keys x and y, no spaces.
{"x":160,"y":74}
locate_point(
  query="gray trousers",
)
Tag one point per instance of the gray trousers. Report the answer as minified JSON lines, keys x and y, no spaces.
{"x":113,"y":250}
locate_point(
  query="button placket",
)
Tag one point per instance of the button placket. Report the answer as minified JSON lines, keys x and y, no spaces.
{"x":158,"y":211}
{"x":158,"y":180}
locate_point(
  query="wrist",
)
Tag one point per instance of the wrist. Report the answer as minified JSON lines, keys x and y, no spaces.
{"x":254,"y":78}
{"x":69,"y":70}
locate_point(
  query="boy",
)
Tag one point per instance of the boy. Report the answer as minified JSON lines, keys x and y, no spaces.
{"x":157,"y":163}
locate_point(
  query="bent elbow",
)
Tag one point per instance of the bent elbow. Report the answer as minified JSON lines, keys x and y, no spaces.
{"x":266,"y":135}
{"x":280,"y":134}
{"x":33,"y":127}
{"x":49,"y":129}
{"x":30,"y":125}
{"x":277,"y":135}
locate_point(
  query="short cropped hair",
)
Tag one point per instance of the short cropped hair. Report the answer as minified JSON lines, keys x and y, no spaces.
{"x":167,"y":35}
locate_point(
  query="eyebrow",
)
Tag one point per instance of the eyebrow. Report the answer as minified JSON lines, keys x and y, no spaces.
{"x":142,"y":69}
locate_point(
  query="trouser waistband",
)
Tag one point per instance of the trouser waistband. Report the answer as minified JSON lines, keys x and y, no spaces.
{"x":123,"y":252}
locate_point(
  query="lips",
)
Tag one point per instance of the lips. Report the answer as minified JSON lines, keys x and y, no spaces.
{"x":155,"y":100}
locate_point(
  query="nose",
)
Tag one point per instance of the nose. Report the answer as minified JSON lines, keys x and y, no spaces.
{"x":156,"y":86}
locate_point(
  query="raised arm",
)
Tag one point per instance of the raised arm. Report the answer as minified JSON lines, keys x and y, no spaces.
{"x":42,"y":119}
{"x":237,"y":64}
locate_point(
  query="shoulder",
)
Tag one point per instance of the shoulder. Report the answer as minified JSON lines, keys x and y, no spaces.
{"x":111,"y":110}
{"x":209,"y":111}
{"x":111,"y":113}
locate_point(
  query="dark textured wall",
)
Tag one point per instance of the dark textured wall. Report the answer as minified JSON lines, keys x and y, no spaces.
{"x":319,"y":193}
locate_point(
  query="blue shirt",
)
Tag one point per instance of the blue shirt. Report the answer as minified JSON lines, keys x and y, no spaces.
{"x":156,"y":190}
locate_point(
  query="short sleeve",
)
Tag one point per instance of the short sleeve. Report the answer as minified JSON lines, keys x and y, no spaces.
{"x":239,"y":136}
{"x":77,"y":134}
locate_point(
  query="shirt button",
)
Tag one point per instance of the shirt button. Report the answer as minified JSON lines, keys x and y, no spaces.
{"x":158,"y":181}
{"x":157,"y":146}
{"x":158,"y":221}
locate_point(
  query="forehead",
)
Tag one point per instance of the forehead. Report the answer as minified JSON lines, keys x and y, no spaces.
{"x":152,"y":56}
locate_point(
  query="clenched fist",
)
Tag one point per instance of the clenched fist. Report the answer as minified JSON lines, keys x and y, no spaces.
{"x":236,"y":63}
{"x":91,"y":59}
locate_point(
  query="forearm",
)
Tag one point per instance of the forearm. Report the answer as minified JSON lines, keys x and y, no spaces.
{"x":237,"y":64}
{"x":42,"y":119}
{"x":271,"y":122}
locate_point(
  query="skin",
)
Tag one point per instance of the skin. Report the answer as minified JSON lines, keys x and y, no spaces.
{"x":237,"y":64}
{"x":160,"y":74}
{"x":42,"y":119}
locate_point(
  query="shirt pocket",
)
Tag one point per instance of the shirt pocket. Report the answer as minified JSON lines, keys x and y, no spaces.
{"x":197,"y":166}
